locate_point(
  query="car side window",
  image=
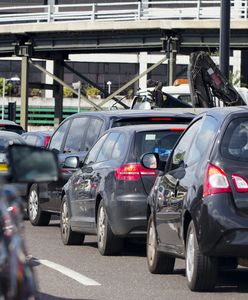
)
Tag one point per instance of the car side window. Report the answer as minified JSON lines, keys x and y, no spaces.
{"x":92,"y":134}
{"x":91,"y":157}
{"x":58,"y":137}
{"x":75,"y":135}
{"x":107,"y":147}
{"x":181,"y":151}
{"x":203,"y":140}
{"x":119,"y":147}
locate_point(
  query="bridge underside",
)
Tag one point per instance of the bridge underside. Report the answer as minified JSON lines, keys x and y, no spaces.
{"x":57,"y":41}
{"x":54,"y":44}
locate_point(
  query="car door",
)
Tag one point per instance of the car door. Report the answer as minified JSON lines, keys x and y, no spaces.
{"x":80,"y":185}
{"x":93,"y":177}
{"x":47,"y":190}
{"x":172,"y":189}
{"x":73,"y":139}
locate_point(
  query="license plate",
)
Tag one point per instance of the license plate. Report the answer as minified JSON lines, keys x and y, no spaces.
{"x":3,"y":167}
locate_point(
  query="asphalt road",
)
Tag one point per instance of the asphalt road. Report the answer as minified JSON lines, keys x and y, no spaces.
{"x":80,"y":272}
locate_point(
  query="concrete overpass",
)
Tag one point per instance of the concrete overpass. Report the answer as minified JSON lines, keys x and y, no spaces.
{"x":45,"y":39}
{"x":49,"y":40}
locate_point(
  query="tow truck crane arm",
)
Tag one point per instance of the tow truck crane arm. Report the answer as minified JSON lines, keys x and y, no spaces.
{"x":207,"y":82}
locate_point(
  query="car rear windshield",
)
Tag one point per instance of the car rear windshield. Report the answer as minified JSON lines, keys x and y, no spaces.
{"x":152,"y":120}
{"x":234,"y":144}
{"x":158,"y":141}
{"x":13,"y":128}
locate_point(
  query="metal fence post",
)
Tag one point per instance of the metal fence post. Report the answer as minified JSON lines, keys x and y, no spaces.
{"x":198,"y":9}
{"x":93,"y":11}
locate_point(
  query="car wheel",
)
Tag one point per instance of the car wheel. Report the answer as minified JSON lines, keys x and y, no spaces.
{"x":108,"y":243}
{"x":36,"y":216}
{"x":201,"y":270}
{"x":158,"y":262}
{"x":68,"y":236}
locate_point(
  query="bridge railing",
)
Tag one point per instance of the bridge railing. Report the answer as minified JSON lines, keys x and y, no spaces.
{"x":116,"y":11}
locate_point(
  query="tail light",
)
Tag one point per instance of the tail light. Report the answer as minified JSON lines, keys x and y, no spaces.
{"x":240,"y":183}
{"x":46,"y":141}
{"x":133,"y":172}
{"x":215,"y":181}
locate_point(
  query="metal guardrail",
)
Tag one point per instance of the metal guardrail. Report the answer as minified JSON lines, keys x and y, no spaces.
{"x":124,"y":11}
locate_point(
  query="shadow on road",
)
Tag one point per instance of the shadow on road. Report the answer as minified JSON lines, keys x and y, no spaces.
{"x":43,"y":296}
{"x":229,"y":281}
{"x":233,"y":281}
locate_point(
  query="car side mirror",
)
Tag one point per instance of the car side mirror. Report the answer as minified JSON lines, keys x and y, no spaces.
{"x":152,"y":161}
{"x":31,"y":164}
{"x":72,"y":162}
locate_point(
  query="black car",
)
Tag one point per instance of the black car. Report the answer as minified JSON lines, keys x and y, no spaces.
{"x":107,"y":195}
{"x":199,"y":207}
{"x":75,"y":136}
{"x":8,"y":138}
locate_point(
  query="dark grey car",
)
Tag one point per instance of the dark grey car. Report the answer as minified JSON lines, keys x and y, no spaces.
{"x":75,"y":136}
{"x":107,"y":196}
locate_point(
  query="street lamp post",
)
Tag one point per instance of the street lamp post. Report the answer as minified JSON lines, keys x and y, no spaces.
{"x":77,"y":86}
{"x":3,"y":98}
{"x":109,"y":86}
{"x":225,"y":37}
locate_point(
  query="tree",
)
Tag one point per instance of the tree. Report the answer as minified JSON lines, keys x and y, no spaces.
{"x":8,"y":87}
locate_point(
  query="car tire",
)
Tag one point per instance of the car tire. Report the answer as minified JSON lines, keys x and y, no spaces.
{"x":201,"y":270}
{"x":158,"y":262}
{"x":37,"y":217}
{"x":68,"y":236}
{"x":108,"y":243}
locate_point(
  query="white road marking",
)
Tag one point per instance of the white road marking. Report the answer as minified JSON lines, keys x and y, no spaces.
{"x":68,"y":272}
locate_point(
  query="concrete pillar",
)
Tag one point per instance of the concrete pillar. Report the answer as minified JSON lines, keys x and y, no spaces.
{"x":142,"y":60}
{"x":58,"y":92}
{"x":48,"y":79}
{"x":24,"y":93}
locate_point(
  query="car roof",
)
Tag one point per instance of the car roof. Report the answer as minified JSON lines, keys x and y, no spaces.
{"x":220,"y":113}
{"x":38,"y":133}
{"x":145,"y":127}
{"x":8,"y":122}
{"x":11,"y":135}
{"x":125,"y":113}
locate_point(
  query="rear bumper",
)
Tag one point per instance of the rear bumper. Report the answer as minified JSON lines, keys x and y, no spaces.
{"x":128,"y":215}
{"x":222,"y":229}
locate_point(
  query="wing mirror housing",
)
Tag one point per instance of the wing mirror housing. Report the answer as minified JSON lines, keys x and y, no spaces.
{"x":72,"y":162}
{"x":28,"y":163}
{"x":152,"y":161}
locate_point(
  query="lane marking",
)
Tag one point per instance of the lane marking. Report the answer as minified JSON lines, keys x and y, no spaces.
{"x":68,"y":272}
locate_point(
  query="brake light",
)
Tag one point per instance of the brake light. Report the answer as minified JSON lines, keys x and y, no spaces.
{"x":240,"y":183}
{"x":132,"y":172}
{"x":177,"y":129}
{"x":215,"y":181}
{"x":46,"y":141}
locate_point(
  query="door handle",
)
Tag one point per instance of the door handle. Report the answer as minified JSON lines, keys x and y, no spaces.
{"x":176,"y":188}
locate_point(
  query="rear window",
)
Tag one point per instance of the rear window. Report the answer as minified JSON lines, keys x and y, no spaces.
{"x":12,"y":128}
{"x":152,"y":120}
{"x":234,"y":144}
{"x":158,"y":141}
